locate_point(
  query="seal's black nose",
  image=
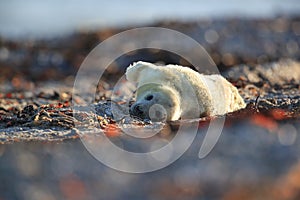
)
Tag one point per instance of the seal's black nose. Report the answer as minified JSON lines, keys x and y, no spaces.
{"x":137,"y":109}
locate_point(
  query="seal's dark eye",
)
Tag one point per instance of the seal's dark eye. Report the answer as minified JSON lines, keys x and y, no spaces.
{"x":149,"y":97}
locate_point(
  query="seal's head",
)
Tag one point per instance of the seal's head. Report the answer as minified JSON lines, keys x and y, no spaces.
{"x":156,"y":102}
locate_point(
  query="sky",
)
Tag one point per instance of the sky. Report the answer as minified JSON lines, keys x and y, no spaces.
{"x":46,"y":18}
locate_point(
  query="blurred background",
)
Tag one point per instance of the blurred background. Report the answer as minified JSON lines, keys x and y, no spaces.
{"x":48,"y":40}
{"x":42,"y":19}
{"x":45,"y":42}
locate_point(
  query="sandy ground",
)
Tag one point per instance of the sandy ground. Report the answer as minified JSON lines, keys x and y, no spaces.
{"x":256,"y":155}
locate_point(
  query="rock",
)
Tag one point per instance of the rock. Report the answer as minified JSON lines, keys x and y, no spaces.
{"x":276,"y":73}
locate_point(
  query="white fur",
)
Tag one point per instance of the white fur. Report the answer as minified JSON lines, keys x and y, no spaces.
{"x":198,"y":94}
